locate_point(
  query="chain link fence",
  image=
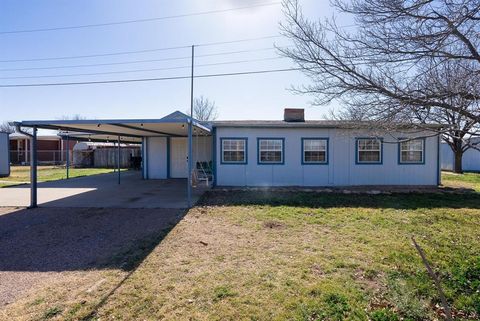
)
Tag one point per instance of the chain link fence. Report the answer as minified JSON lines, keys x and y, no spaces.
{"x":45,"y":157}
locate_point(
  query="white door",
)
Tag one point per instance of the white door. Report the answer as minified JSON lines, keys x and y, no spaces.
{"x":178,"y":158}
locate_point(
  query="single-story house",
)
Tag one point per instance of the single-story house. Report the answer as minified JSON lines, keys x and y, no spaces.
{"x":288,"y":152}
{"x":470,"y":159}
{"x":51,"y":149}
{"x":320,"y":153}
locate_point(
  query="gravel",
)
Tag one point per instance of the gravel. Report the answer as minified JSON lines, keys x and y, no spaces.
{"x":38,"y":244}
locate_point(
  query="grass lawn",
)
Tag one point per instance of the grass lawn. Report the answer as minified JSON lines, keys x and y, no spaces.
{"x":21,"y":174}
{"x":291,"y":256}
{"x":469,"y":180}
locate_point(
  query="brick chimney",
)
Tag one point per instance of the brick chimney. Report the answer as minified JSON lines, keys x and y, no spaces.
{"x":294,"y":115}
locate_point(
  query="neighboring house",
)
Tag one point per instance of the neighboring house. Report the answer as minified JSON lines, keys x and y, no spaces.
{"x":4,"y":155}
{"x":290,"y":152}
{"x":470,"y":159}
{"x":51,"y":149}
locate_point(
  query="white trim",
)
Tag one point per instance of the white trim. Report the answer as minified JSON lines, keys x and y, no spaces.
{"x":237,"y":149}
{"x":421,"y":150}
{"x":379,"y":150}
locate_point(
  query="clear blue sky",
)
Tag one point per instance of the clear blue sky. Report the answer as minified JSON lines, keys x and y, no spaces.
{"x":238,"y":97}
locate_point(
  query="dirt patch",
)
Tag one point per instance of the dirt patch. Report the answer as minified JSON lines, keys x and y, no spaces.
{"x":73,"y":248}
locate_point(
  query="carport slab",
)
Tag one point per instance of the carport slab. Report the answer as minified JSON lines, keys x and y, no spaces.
{"x":103,"y":191}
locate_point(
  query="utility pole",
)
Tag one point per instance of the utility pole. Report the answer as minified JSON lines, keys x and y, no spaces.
{"x":190,"y":161}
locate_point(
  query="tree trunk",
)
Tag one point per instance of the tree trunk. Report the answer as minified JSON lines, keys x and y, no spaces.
{"x":457,"y":168}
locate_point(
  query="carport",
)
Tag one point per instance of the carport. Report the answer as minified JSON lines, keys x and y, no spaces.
{"x":154,"y":135}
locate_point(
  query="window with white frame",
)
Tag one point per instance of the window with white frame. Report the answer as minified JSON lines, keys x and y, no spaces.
{"x":369,"y":151}
{"x":234,"y":151}
{"x":270,"y":151}
{"x":314,"y":151}
{"x":412,"y":151}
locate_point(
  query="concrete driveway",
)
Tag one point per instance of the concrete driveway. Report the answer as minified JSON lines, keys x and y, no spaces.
{"x":103,"y":191}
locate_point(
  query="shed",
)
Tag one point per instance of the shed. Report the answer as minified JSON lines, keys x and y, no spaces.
{"x":470,"y":160}
{"x":4,"y":155}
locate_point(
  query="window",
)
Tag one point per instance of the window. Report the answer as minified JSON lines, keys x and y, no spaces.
{"x":369,"y":151}
{"x":314,"y":150}
{"x":412,"y":151}
{"x":270,"y":150}
{"x":234,"y":150}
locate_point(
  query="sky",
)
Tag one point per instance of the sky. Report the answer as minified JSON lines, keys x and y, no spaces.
{"x":237,"y":97}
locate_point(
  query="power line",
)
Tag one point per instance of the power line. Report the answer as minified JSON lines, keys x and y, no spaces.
{"x":235,"y":41}
{"x":142,"y":70}
{"x":149,"y":79}
{"x":140,"y":51}
{"x":138,"y":20}
{"x":97,"y":55}
{"x":138,"y":61}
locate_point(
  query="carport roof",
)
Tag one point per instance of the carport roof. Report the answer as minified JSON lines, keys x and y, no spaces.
{"x":173,"y":125}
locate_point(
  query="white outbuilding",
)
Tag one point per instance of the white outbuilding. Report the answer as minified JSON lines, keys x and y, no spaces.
{"x":4,"y":155}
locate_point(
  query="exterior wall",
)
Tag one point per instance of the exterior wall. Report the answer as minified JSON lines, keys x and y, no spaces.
{"x":470,"y":160}
{"x":159,"y":160}
{"x":4,"y":155}
{"x":341,"y":169}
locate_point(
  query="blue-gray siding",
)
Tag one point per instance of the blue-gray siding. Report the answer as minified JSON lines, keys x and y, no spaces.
{"x":470,"y":160}
{"x":341,"y":170}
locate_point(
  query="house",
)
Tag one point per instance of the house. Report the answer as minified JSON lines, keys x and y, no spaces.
{"x":295,"y":152}
{"x":470,"y":159}
{"x":51,"y":149}
{"x":298,"y":153}
{"x":288,"y":152}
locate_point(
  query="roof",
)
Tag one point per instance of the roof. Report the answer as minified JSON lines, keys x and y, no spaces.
{"x":307,"y":124}
{"x":133,"y":130}
{"x":22,"y":136}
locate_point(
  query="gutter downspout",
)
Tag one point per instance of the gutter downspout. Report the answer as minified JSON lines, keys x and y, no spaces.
{"x":33,"y":162}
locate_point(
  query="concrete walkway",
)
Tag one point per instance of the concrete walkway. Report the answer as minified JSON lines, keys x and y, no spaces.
{"x":103,"y":191}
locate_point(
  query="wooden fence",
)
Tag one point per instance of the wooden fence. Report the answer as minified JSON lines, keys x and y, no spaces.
{"x":107,"y":157}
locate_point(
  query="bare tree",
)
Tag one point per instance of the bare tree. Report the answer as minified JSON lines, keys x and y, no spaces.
{"x":204,"y":109}
{"x":449,"y":76}
{"x":72,"y":117}
{"x":379,"y":70}
{"x":5,"y":127}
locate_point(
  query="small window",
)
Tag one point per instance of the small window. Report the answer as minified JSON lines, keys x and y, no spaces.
{"x":234,"y":151}
{"x":412,"y":151}
{"x":270,"y":151}
{"x":369,"y":151}
{"x":315,"y":151}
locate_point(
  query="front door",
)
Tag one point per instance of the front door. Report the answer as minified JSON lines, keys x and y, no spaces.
{"x":178,"y":157}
